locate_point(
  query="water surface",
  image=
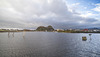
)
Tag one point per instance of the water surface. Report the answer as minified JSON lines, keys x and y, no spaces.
{"x":49,"y":44}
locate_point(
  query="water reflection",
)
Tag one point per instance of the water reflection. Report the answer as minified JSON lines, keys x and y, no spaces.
{"x":23,"y":34}
{"x":90,"y":37}
{"x":10,"y":34}
{"x":13,"y":34}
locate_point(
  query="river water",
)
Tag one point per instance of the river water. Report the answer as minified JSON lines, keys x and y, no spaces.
{"x":49,"y":44}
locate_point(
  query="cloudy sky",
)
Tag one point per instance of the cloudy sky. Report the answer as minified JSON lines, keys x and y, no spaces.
{"x":58,"y":13}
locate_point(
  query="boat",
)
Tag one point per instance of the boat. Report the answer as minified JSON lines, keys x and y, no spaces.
{"x":84,"y":38}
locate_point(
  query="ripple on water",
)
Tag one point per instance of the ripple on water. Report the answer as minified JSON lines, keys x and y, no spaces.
{"x":49,"y":44}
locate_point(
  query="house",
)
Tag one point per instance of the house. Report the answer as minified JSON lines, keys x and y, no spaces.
{"x":85,"y":30}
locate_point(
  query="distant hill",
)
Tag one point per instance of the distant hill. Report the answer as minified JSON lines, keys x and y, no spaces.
{"x":89,"y":28}
{"x":42,"y":28}
{"x":93,"y":28}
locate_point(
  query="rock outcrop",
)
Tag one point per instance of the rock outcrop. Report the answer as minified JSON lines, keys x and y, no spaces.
{"x":42,"y":28}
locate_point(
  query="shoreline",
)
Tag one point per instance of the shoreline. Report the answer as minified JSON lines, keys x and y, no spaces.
{"x":49,"y":31}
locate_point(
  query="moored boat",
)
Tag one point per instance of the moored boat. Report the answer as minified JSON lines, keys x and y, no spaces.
{"x":84,"y":38}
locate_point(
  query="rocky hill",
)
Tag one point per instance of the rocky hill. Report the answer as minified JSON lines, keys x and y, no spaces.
{"x":42,"y":28}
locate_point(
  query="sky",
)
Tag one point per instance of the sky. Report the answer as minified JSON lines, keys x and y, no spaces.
{"x":61,"y":14}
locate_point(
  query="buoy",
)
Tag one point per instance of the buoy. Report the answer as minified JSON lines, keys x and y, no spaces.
{"x":84,"y":38}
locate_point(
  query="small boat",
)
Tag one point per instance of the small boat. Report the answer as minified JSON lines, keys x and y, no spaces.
{"x":84,"y":38}
{"x":90,"y":34}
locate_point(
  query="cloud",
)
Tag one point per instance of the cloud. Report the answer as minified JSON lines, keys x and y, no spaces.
{"x":34,"y":13}
{"x":73,"y":7}
{"x":87,"y":14}
{"x":97,"y":8}
{"x":75,"y":4}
